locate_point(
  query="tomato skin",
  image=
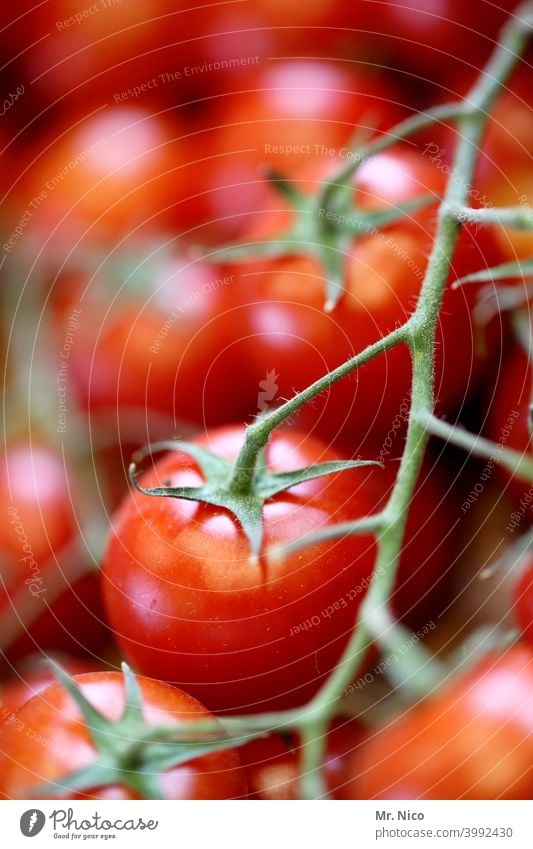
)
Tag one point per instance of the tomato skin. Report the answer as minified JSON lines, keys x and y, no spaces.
{"x":33,"y":483}
{"x":187,"y":605}
{"x":32,"y":676}
{"x":434,"y":39}
{"x":47,"y":599}
{"x":294,"y":111}
{"x":107,"y":174}
{"x":429,"y":546}
{"x":472,"y":740}
{"x":272,"y":767}
{"x":54,"y":716}
{"x":163,"y":349}
{"x":504,"y":170}
{"x":277,"y":312}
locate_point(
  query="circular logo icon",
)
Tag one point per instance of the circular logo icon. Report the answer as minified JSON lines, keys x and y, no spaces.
{"x":32,"y":822}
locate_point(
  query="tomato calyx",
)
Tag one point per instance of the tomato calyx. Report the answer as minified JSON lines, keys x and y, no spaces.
{"x":241,"y":487}
{"x":129,"y":751}
{"x":324,"y":227}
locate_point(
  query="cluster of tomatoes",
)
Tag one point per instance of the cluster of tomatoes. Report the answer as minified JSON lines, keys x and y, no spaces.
{"x":139,"y":141}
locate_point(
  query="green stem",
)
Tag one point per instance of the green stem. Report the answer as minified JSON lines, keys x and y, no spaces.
{"x":367,"y":525}
{"x":516,"y":217}
{"x":518,"y":464}
{"x":423,"y":326}
{"x":403,"y":130}
{"x":258,"y":434}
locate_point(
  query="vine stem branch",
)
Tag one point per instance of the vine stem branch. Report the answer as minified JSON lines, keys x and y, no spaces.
{"x":516,"y":217}
{"x":423,"y":326}
{"x":517,"y":463}
{"x":375,"y":621}
{"x":258,"y":433}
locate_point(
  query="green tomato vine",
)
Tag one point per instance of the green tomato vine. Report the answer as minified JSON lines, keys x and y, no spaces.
{"x":375,"y":622}
{"x":244,"y":486}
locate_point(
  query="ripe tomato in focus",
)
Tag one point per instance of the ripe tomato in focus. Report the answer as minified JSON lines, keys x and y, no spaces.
{"x":155,"y":347}
{"x":53,"y":716}
{"x":287,"y":339}
{"x":116,"y":169}
{"x":48,"y":598}
{"x":471,"y":740}
{"x":31,"y":676}
{"x":187,"y":604}
{"x":508,"y":421}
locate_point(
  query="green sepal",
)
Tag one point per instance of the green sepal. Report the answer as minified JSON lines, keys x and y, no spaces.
{"x":275,"y":482}
{"x":503,"y":271}
{"x":370,"y":221}
{"x":97,"y":724}
{"x":312,"y":233}
{"x":128,"y":750}
{"x":218,"y":492}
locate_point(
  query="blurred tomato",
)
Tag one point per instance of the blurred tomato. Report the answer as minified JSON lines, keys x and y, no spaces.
{"x":106,"y":174}
{"x":48,"y":598}
{"x":289,"y":115}
{"x":151,"y":339}
{"x":293,"y":111}
{"x":523,"y":598}
{"x":505,"y":171}
{"x":272,"y":766}
{"x":433,"y":39}
{"x":31,"y":676}
{"x":53,"y":716}
{"x":287,"y":340}
{"x":471,"y":740}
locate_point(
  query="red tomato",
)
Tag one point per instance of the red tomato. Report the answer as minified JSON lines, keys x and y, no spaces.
{"x":48,"y":598}
{"x":505,"y":172}
{"x":433,"y":38}
{"x":31,"y":676}
{"x":471,"y":740}
{"x":508,"y":424}
{"x":289,"y":114}
{"x":295,"y":111}
{"x":53,"y":716}
{"x":270,"y":28}
{"x":116,"y":169}
{"x":286,"y":339}
{"x":272,"y":769}
{"x":119,"y":51}
{"x":430,"y":544}
{"x":187,"y":604}
{"x":169,"y":52}
{"x":158,"y":346}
